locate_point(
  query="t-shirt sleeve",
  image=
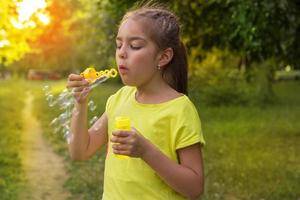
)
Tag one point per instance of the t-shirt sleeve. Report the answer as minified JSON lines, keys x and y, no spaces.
{"x":108,"y":104}
{"x":188,"y":131}
{"x":113,"y":98}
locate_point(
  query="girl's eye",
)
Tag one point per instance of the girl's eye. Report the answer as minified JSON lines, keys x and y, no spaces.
{"x":118,"y":46}
{"x":135,"y":47}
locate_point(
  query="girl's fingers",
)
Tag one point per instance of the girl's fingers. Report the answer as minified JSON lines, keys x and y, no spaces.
{"x":85,"y":92}
{"x":121,"y":147}
{"x":81,"y":94}
{"x":75,"y":77}
{"x":77,"y":94}
{"x":79,"y":89}
{"x":121,"y":140}
{"x":121,"y":133}
{"x":72,"y":84}
{"x":121,"y":152}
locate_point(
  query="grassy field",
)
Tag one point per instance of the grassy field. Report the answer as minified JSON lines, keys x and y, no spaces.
{"x":11,"y":104}
{"x":252,"y":152}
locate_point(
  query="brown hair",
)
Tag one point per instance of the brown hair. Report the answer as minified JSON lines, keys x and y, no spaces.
{"x":164,"y":29}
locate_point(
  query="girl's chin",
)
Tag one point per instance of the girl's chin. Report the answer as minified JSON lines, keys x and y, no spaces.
{"x":127,"y":82}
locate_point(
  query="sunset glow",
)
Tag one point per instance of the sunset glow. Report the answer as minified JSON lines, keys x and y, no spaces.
{"x":27,"y":9}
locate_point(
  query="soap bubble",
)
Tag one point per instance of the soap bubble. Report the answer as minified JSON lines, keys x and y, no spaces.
{"x":68,"y":136}
{"x":46,"y":88}
{"x":57,"y":129}
{"x":49,"y":98}
{"x":93,"y":120}
{"x":54,"y":122}
{"x":66,"y":105}
{"x":63,"y":118}
{"x":66,"y":128}
{"x":92,"y":105}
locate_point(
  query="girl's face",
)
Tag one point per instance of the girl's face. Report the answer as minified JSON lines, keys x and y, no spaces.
{"x":137,"y":55}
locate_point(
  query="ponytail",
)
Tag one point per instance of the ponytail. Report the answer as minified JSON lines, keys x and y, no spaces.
{"x":176,"y":73}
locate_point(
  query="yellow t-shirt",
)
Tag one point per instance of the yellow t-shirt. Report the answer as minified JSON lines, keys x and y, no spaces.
{"x":170,"y":126}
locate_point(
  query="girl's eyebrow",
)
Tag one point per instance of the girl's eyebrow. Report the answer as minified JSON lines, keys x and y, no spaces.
{"x":132,"y":38}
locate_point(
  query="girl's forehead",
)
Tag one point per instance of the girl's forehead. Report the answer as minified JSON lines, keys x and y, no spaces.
{"x":132,"y":28}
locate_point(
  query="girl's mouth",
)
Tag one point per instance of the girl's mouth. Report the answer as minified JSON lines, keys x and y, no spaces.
{"x":123,"y":69}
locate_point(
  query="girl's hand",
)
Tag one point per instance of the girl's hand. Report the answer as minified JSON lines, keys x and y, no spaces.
{"x":79,"y":87}
{"x":129,"y":143}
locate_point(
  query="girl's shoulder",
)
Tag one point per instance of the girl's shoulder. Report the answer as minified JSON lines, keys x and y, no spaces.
{"x":185,"y":105}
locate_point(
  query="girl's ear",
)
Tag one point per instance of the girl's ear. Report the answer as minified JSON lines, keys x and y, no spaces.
{"x":165,"y":57}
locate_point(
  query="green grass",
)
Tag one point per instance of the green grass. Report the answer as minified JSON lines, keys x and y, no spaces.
{"x":250,"y":152}
{"x":11,"y":105}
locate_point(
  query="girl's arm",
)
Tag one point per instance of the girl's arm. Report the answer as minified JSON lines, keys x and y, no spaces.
{"x":186,"y":177}
{"x":84,"y":142}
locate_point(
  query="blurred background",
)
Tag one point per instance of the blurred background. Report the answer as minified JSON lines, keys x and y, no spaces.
{"x":244,"y":78}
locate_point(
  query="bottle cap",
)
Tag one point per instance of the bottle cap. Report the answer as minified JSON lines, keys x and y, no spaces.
{"x":122,"y":123}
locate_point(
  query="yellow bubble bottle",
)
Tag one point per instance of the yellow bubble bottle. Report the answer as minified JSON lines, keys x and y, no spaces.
{"x":122,"y":123}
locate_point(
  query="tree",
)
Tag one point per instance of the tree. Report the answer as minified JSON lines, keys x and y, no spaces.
{"x":255,"y":30}
{"x":13,"y":41}
{"x":265,"y":33}
{"x":55,"y":47}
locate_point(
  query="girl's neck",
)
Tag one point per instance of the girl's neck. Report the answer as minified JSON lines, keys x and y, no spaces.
{"x":155,"y":92}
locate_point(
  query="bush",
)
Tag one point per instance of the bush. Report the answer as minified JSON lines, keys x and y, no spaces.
{"x":217,"y":81}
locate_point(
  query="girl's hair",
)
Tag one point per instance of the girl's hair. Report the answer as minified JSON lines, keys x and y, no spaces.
{"x":164,"y":29}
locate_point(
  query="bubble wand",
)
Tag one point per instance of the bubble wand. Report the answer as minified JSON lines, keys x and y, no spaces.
{"x":95,"y":78}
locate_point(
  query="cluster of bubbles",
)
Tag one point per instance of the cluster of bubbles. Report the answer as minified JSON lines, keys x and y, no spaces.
{"x":66,"y":103}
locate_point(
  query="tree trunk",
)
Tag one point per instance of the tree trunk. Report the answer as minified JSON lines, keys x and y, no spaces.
{"x":265,"y":94}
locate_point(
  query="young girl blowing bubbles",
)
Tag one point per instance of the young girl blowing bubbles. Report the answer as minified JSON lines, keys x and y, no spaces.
{"x":162,"y":156}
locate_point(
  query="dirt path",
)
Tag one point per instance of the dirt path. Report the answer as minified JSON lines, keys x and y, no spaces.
{"x":44,"y":170}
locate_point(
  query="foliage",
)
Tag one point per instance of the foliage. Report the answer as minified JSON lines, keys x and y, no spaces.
{"x":255,"y":29}
{"x":13,"y":44}
{"x":216,"y":81}
{"x":55,"y":47}
{"x":16,"y":34}
{"x":81,"y":32}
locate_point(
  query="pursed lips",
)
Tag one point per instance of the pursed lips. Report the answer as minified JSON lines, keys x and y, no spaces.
{"x":122,"y":68}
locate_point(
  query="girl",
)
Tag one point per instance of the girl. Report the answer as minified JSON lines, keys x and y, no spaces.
{"x":162,"y":156}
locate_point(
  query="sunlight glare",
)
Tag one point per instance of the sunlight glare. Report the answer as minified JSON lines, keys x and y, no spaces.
{"x":26,"y":9}
{"x":43,"y":18}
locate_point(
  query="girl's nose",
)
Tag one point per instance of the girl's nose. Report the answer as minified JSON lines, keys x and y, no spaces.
{"x":122,"y":52}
